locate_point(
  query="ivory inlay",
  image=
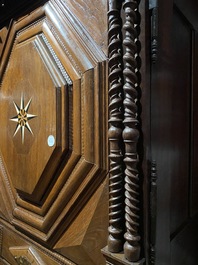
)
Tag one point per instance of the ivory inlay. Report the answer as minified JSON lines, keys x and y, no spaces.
{"x":22,"y":118}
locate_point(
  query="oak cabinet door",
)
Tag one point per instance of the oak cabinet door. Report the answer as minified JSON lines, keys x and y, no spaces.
{"x":174,"y":126}
{"x":53,"y":144}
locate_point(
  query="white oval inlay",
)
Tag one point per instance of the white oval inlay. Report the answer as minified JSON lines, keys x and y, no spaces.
{"x":51,"y":140}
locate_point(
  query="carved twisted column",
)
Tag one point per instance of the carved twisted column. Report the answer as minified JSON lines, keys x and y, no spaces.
{"x":131,"y":134}
{"x":116,"y":185}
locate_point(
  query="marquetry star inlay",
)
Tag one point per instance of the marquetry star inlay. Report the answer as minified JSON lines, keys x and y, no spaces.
{"x":22,"y":118}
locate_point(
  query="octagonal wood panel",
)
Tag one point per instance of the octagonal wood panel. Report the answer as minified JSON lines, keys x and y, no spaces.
{"x":30,"y":113}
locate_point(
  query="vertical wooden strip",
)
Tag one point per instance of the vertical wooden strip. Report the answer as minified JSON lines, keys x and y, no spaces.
{"x":3,"y":35}
{"x":194,"y":125}
{"x":131,"y":133}
{"x":154,"y":34}
{"x":1,"y":238}
{"x":153,"y":211}
{"x":116,"y":183}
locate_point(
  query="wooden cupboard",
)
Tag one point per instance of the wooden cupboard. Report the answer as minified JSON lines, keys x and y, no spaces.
{"x":98,"y":132}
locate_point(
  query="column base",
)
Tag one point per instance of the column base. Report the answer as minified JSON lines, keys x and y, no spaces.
{"x":118,"y":258}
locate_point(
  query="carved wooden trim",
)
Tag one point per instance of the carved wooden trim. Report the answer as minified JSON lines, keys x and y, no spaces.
{"x":56,"y":257}
{"x":66,"y":51}
{"x":56,"y":59}
{"x":153,"y":6}
{"x":131,"y":133}
{"x":22,"y":260}
{"x":153,"y":211}
{"x":25,"y":255}
{"x":10,"y":199}
{"x":116,"y":221}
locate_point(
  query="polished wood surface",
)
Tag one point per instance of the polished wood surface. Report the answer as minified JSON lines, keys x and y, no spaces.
{"x":123,"y":130}
{"x":3,"y":35}
{"x":25,"y":137}
{"x":173,"y":130}
{"x":53,"y":147}
{"x":180,"y":145}
{"x":116,"y":173}
{"x":93,"y":19}
{"x":131,"y":133}
{"x":161,"y":130}
{"x":88,"y":119}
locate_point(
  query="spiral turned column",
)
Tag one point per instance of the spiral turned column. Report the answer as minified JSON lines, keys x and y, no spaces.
{"x":116,"y":178}
{"x":131,"y":134}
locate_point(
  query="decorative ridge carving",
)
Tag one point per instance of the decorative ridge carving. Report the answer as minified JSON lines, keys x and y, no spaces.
{"x":64,"y":48}
{"x":153,"y":210}
{"x":5,"y":178}
{"x":90,"y":46}
{"x":116,"y":191}
{"x":131,"y":133}
{"x":59,"y":64}
{"x":32,"y":25}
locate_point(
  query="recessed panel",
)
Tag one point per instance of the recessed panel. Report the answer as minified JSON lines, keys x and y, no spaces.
{"x":179,"y":145}
{"x":29,"y":117}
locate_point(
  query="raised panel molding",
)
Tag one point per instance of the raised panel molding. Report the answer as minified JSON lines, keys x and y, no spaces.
{"x":92,"y":17}
{"x":16,"y":244}
{"x":3,"y":35}
{"x":91,"y":236}
{"x":63,"y":95}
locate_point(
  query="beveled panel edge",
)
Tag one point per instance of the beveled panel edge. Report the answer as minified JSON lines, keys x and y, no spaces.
{"x":80,"y":34}
{"x":42,"y":210}
{"x":1,"y":238}
{"x":99,"y":153}
{"x":66,"y":197}
{"x":50,"y":231}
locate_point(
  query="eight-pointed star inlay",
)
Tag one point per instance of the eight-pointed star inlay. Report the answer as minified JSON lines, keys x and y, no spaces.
{"x":22,"y":118}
